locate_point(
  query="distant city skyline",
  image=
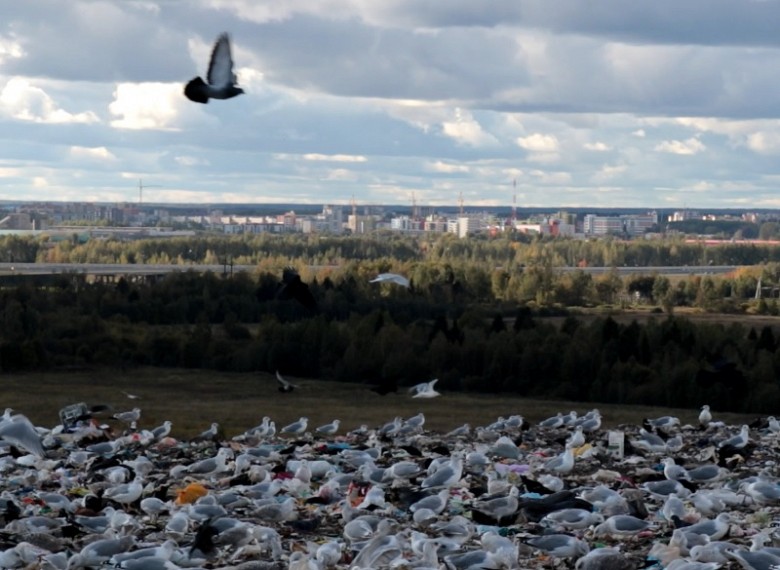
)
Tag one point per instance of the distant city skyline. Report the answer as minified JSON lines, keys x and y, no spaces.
{"x":540,"y":104}
{"x":127,"y":219}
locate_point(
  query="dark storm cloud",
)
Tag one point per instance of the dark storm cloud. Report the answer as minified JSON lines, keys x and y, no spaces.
{"x":693,"y":22}
{"x":350,"y":58}
{"x":93,"y":41}
{"x":701,"y":22}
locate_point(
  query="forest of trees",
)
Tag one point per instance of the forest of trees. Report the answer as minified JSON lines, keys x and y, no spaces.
{"x":508,"y":253}
{"x":197,"y":320}
{"x":480,"y":270}
{"x":476,"y":317}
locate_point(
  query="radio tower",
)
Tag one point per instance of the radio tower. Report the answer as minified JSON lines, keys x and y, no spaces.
{"x":514,"y":200}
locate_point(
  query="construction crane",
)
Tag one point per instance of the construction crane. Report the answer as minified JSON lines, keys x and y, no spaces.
{"x":141,"y":187}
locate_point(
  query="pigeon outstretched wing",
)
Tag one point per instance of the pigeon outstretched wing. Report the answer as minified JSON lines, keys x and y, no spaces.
{"x":221,"y":64}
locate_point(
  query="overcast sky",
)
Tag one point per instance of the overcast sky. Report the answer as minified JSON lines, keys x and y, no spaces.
{"x":661,"y":104}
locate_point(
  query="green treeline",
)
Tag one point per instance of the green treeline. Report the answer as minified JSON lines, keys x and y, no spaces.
{"x":371,"y":333}
{"x":508,"y":253}
{"x":476,"y":270}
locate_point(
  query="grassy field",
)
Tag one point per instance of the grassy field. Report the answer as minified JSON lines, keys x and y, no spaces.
{"x":192,"y":399}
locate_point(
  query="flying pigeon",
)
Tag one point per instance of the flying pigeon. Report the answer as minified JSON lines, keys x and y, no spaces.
{"x":221,"y":79}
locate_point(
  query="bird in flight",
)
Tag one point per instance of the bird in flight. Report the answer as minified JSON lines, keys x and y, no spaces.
{"x":425,"y":389}
{"x":284,"y":385}
{"x":391,"y":278}
{"x":221,"y":79}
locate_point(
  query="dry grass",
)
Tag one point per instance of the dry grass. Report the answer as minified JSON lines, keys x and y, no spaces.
{"x":192,"y":399}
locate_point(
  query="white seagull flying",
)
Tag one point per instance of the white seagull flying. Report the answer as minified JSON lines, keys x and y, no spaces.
{"x":425,"y":389}
{"x":391,"y":278}
{"x":285,"y":385}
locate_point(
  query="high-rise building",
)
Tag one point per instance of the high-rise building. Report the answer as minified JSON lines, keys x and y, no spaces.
{"x":469,"y":225}
{"x":629,"y":224}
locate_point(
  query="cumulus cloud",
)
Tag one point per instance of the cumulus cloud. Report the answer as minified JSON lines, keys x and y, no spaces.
{"x":9,"y":49}
{"x":189,"y":161}
{"x":333,"y":157}
{"x":539,"y":143}
{"x":764,"y":142}
{"x":597,"y":147}
{"x":146,"y":106}
{"x":262,"y":12}
{"x":340,"y":174}
{"x":446,"y":168}
{"x":687,"y":147}
{"x":608,"y":172}
{"x":551,"y":178}
{"x":20,"y":99}
{"x":94,"y":153}
{"x":542,"y":148}
{"x":465,"y":129}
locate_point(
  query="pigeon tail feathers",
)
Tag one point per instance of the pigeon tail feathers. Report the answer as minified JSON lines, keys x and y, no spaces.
{"x":196,"y":90}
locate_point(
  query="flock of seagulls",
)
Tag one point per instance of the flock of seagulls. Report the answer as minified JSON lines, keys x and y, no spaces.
{"x":508,"y":494}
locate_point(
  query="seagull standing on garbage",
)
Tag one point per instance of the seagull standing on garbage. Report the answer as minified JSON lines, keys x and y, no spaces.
{"x":705,"y":416}
{"x":130,"y":417}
